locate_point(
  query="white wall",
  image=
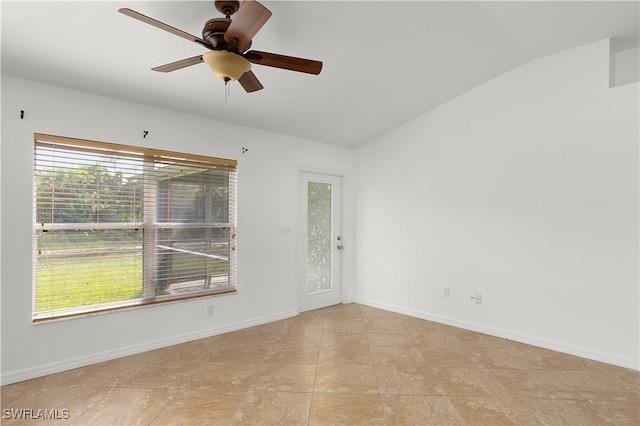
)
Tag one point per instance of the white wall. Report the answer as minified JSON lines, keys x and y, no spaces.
{"x":524,"y":190}
{"x":268,"y":198}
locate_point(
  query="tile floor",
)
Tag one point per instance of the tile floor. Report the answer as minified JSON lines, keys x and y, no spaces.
{"x":347,"y":364}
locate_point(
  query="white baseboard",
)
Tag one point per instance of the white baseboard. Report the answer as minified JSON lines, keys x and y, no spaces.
{"x":69,"y":364}
{"x":510,"y":335}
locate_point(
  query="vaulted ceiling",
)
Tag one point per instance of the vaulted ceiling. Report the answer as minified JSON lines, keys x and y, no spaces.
{"x":385,"y":62}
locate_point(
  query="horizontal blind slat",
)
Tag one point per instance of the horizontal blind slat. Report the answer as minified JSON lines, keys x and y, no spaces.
{"x":161,"y":156}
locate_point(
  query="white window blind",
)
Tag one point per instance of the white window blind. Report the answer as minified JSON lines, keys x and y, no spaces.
{"x":119,"y":226}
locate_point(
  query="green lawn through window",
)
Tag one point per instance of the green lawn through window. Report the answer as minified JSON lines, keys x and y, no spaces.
{"x":114,"y":277}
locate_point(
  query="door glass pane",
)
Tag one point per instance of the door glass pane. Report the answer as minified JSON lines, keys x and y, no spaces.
{"x":318,"y":237}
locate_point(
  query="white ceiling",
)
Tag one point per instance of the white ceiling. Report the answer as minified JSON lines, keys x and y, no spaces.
{"x":385,"y":63}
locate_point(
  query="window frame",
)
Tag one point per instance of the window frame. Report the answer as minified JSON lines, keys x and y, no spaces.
{"x":149,"y":225}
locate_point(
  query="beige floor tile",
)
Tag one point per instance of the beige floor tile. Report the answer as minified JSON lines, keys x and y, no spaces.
{"x":310,"y":322}
{"x":240,"y":352}
{"x":200,"y":405}
{"x":540,"y":384}
{"x":301,"y":338}
{"x":71,"y":401}
{"x":479,"y":340}
{"x":127,"y":406}
{"x":550,"y":360}
{"x":273,"y":408}
{"x":397,"y":356}
{"x":345,"y":379}
{"x":506,"y":357}
{"x":348,"y":311}
{"x":332,"y":325}
{"x":292,"y":354}
{"x":346,"y":409}
{"x":408,"y":381}
{"x":618,"y":412}
{"x":229,"y":377}
{"x":242,"y":339}
{"x":188,"y":356}
{"x":450,"y":357}
{"x":284,"y":378}
{"x":417,"y":325}
{"x":370,"y":312}
{"x":419,"y":410}
{"x":390,"y":338}
{"x":331,"y":338}
{"x":164,"y":374}
{"x":595,"y":386}
{"x":493,"y":411}
{"x":438,"y":339}
{"x":344,"y":355}
{"x":335,"y":369}
{"x":564,"y":411}
{"x":389,"y":325}
{"x":470,"y":382}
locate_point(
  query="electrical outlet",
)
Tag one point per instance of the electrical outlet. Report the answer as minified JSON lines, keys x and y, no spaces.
{"x":284,"y":231}
{"x":210,"y":310}
{"x":447,"y":292}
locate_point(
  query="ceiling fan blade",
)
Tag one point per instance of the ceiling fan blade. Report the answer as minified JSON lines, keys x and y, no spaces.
{"x":285,"y":62}
{"x":143,"y":18}
{"x":179,"y":64}
{"x":250,"y":82}
{"x":248,"y":20}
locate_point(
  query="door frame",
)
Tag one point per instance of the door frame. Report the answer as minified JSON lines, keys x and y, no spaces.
{"x":301,"y":235}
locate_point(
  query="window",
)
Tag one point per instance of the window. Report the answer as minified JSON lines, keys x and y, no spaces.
{"x":119,"y":226}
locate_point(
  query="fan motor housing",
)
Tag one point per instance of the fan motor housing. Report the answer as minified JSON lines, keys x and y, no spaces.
{"x":214,"y":30}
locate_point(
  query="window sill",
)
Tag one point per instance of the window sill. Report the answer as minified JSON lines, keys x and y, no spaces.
{"x":58,"y":316}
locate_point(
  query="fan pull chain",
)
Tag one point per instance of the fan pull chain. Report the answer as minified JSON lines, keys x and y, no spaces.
{"x":226,"y":90}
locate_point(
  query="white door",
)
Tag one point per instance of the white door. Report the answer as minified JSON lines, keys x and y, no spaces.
{"x":321,"y":241}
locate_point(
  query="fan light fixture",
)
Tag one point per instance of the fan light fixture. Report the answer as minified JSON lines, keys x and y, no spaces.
{"x":225,"y":65}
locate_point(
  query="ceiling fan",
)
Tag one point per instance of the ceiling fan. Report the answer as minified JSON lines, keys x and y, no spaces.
{"x":228,"y":41}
